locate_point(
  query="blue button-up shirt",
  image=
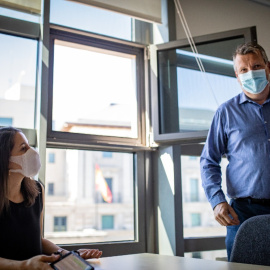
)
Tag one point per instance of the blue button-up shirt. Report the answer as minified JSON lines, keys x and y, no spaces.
{"x":240,"y":130}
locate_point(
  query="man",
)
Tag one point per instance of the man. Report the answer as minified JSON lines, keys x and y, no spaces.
{"x":240,"y":131}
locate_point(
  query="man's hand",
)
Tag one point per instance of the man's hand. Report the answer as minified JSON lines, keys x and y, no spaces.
{"x":225,"y":215}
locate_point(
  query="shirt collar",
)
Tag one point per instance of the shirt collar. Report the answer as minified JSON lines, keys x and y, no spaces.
{"x":244,"y":99}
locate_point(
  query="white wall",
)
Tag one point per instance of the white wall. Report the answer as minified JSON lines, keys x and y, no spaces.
{"x":213,"y":16}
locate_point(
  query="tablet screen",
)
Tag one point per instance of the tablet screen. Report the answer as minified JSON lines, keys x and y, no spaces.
{"x":72,"y":262}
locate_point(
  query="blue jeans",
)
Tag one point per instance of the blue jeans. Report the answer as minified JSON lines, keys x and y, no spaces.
{"x":244,"y":210}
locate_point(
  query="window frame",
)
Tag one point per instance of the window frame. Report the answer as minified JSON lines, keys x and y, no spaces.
{"x":93,"y":40}
{"x":19,"y":27}
{"x":144,"y":205}
{"x":28,"y":30}
{"x":194,"y":244}
{"x":139,"y":245}
{"x":249,"y":34}
{"x":56,"y":139}
{"x":178,"y":144}
{"x":143,"y":209}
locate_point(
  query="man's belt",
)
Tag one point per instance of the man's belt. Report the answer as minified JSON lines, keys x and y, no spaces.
{"x":253,"y":200}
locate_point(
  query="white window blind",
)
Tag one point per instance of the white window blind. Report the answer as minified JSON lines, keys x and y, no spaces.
{"x":148,"y":10}
{"x":29,"y":6}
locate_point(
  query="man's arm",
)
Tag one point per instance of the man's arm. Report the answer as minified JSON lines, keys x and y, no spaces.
{"x":214,"y":149}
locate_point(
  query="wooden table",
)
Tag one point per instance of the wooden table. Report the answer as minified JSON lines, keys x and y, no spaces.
{"x":147,"y":261}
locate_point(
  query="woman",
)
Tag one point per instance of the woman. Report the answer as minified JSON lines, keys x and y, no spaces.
{"x":21,"y":208}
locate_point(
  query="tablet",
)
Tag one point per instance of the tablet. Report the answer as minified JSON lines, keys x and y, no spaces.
{"x":71,"y":261}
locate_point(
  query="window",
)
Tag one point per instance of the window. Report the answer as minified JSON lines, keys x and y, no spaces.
{"x":51,"y":157}
{"x":96,"y":111}
{"x":17,"y":80}
{"x":194,"y":190}
{"x":195,"y":219}
{"x":107,"y":222}
{"x":6,"y":121}
{"x":80,"y":183}
{"x":60,"y":224}
{"x":194,"y":198}
{"x":198,"y":94}
{"x":184,"y":100}
{"x":107,"y":154}
{"x":108,"y":98}
{"x":109,"y":106}
{"x":186,"y":97}
{"x":50,"y":189}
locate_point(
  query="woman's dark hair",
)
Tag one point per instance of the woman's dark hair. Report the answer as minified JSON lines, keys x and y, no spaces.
{"x":29,"y":188}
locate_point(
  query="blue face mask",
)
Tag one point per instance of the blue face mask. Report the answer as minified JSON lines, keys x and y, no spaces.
{"x":254,"y":81}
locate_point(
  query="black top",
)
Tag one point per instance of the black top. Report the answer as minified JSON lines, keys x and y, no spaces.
{"x":20,"y":236}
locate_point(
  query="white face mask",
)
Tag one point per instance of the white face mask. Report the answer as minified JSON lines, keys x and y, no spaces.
{"x":254,"y":81}
{"x":29,"y":161}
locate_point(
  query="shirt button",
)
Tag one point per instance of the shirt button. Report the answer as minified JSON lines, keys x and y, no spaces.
{"x":265,"y":122}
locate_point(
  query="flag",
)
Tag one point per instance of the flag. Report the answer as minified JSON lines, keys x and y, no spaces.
{"x":102,"y":186}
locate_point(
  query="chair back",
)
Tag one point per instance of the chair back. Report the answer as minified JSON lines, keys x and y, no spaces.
{"x":252,"y":241}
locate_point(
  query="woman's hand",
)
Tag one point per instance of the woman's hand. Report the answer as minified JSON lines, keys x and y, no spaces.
{"x":40,"y":262}
{"x":90,"y":253}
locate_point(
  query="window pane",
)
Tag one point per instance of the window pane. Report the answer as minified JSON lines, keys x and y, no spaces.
{"x":188,"y":98}
{"x":85,"y":17}
{"x":51,"y":157}
{"x":194,"y":190}
{"x":17,"y":80}
{"x":60,"y":224}
{"x":107,"y":154}
{"x":198,"y":216}
{"x":94,"y":91}
{"x":107,"y":222}
{"x":89,"y":198}
{"x":195,"y":219}
{"x":6,"y":121}
{"x":50,"y":189}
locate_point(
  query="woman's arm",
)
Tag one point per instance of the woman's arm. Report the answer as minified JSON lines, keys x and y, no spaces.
{"x":10,"y":264}
{"x":35,"y":263}
{"x":49,"y":247}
